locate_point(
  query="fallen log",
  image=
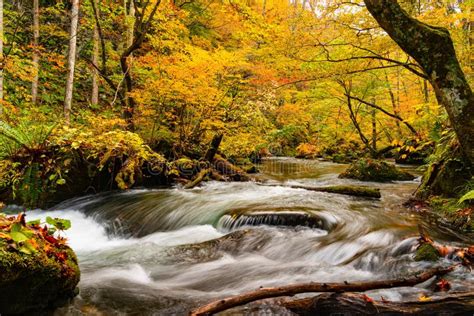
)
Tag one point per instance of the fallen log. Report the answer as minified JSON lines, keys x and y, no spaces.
{"x":225,"y":168}
{"x":198,"y":179}
{"x":357,"y":304}
{"x":216,"y":176}
{"x":290,"y":290}
{"x":360,"y":191}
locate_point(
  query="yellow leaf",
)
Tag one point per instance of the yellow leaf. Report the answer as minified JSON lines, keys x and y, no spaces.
{"x":424,"y":298}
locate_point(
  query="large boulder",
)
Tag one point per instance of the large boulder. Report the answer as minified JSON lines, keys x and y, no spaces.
{"x":375,"y":170}
{"x":39,"y":272}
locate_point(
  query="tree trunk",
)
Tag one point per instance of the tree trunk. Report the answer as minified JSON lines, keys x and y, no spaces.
{"x":395,"y":105}
{"x":125,"y":64}
{"x":352,"y":115}
{"x":374,"y":129}
{"x":71,"y":60}
{"x":36,"y":34}
{"x":212,"y":151}
{"x":130,"y":23}
{"x":433,"y":49}
{"x":140,"y":29}
{"x":95,"y":61}
{"x":2,"y":62}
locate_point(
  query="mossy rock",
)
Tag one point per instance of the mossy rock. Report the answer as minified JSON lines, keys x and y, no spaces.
{"x":185,"y":168}
{"x":361,"y":191}
{"x":427,"y":252}
{"x":38,"y":271}
{"x":342,"y":158}
{"x":236,"y":242}
{"x":282,"y":217}
{"x":252,"y":169}
{"x":375,"y":170}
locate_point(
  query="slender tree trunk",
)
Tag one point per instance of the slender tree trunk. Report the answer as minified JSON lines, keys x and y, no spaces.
{"x":36,"y":34}
{"x":426,"y":91}
{"x":353,"y":117}
{"x":374,"y":129}
{"x":141,"y":27}
{"x":95,"y":61}
{"x":394,"y":104}
{"x":125,"y":62}
{"x":71,"y":60}
{"x":433,"y":49}
{"x":131,"y":23}
{"x":2,"y":62}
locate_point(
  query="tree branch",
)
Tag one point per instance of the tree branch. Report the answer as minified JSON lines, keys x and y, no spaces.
{"x":385,"y":112}
{"x":313,"y":287}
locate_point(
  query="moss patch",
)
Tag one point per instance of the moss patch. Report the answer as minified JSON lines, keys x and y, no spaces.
{"x":375,"y":170}
{"x":427,"y":252}
{"x":38,"y":271}
{"x":457,"y":215}
{"x":353,"y":190}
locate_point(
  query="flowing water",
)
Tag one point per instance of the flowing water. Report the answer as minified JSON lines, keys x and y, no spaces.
{"x":144,"y":252}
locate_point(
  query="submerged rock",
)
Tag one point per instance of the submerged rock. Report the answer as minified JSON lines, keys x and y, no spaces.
{"x":38,"y":271}
{"x":375,"y":170}
{"x":240,"y":241}
{"x":277,"y":217}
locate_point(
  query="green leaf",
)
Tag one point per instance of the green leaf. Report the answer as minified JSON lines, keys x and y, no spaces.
{"x":16,"y":227}
{"x":18,"y":237}
{"x":61,"y":182}
{"x":35,"y":222}
{"x":468,"y":196}
{"x":59,"y":223}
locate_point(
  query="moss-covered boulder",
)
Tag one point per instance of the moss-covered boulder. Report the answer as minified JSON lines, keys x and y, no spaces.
{"x":39,"y":272}
{"x":375,"y":170}
{"x":427,"y":252}
{"x":184,"y":168}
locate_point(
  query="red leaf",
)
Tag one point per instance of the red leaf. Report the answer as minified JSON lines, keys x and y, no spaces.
{"x":61,"y":256}
{"x":367,"y":299}
{"x":442,"y":285}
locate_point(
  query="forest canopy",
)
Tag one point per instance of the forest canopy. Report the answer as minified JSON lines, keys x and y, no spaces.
{"x":304,"y":78}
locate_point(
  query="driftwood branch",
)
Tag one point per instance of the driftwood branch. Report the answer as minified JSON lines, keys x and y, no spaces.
{"x":313,"y":287}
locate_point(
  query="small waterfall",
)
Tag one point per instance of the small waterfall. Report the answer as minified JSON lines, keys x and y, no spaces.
{"x":233,"y":221}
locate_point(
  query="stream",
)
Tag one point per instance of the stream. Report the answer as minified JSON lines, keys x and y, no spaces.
{"x":143,"y":252}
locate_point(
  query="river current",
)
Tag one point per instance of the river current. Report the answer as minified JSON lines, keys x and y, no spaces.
{"x":144,"y":252}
